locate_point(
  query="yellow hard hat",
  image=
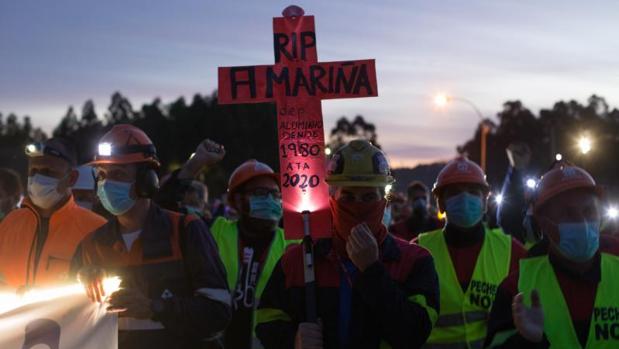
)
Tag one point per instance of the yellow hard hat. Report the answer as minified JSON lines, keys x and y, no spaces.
{"x":359,"y":164}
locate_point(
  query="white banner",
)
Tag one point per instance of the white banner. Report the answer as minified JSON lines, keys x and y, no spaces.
{"x":59,"y":318}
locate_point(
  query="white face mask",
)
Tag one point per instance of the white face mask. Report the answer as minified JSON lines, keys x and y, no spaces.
{"x":43,"y":192}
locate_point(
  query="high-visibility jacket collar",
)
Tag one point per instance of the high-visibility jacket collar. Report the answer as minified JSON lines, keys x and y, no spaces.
{"x":59,"y":213}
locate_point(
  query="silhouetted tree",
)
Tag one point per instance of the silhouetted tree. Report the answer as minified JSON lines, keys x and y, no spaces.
{"x":556,"y":130}
{"x":120,"y":110}
{"x":89,"y":115}
{"x":345,"y":131}
{"x":68,"y":124}
{"x":250,"y":131}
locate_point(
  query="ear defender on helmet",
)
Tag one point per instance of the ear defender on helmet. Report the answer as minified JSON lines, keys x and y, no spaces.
{"x":146,"y":182}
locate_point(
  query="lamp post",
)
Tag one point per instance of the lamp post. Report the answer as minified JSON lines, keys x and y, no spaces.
{"x":441,"y":101}
{"x":584,"y":144}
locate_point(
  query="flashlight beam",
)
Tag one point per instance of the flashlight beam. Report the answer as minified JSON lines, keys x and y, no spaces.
{"x":11,"y":300}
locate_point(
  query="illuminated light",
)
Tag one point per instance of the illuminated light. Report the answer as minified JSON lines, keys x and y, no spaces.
{"x":612,"y":212}
{"x":441,"y":100}
{"x":441,"y":215}
{"x":327,"y":151}
{"x":111,"y":285}
{"x":105,"y":149}
{"x":558,"y":157}
{"x":11,"y":300}
{"x":584,"y":144}
{"x":498,"y":199}
{"x":531,"y":183}
{"x":388,"y":188}
{"x":305,"y":204}
{"x":31,"y":148}
{"x":192,"y":155}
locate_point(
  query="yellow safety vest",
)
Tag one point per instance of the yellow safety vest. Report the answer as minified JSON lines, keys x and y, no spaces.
{"x":226,"y":235}
{"x":537,"y":273}
{"x":463,"y":318}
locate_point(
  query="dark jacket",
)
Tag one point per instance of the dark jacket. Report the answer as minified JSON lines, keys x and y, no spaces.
{"x":511,"y":211}
{"x":395,"y":300}
{"x":175,"y":262}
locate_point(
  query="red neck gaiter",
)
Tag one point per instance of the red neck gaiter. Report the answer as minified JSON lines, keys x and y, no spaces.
{"x":348,"y":215}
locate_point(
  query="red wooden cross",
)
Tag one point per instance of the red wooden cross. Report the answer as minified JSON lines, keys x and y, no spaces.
{"x":297,"y":83}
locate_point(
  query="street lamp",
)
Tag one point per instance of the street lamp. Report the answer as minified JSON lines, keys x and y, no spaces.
{"x":441,"y":101}
{"x":584,"y":144}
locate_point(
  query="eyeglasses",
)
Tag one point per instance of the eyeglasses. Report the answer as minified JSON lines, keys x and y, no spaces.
{"x":264,"y":192}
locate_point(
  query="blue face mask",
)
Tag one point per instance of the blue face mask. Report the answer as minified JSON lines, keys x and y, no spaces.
{"x":265,"y":207}
{"x":464,"y":210}
{"x":579,"y":241}
{"x":115,"y":196}
{"x":43,"y":190}
{"x":194,"y":211}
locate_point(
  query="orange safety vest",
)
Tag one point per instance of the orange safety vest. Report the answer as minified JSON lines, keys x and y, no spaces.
{"x":18,"y":234}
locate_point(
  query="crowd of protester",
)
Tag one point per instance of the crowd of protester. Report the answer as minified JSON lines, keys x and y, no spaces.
{"x":441,"y":266}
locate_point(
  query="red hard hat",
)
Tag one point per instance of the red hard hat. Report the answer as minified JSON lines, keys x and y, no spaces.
{"x":562,"y":178}
{"x":460,"y":171}
{"x":125,"y":144}
{"x":247,"y":171}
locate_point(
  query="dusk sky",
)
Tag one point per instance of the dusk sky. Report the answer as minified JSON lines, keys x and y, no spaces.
{"x":59,"y":53}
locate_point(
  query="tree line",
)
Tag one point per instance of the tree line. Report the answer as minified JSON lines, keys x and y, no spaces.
{"x":555,"y":130}
{"x":250,"y":131}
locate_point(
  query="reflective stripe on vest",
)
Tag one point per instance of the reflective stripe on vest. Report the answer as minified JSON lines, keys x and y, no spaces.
{"x":462,"y":322}
{"x":226,"y":235}
{"x":478,"y":344}
{"x":537,"y":273}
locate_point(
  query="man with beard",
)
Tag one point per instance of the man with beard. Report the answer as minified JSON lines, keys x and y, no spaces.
{"x":422,"y":216}
{"x":372,"y":290}
{"x":251,"y":246}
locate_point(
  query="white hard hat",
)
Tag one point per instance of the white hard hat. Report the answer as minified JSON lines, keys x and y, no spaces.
{"x":86,"y":179}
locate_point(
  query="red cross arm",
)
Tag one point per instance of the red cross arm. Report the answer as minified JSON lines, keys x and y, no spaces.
{"x":328,"y":80}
